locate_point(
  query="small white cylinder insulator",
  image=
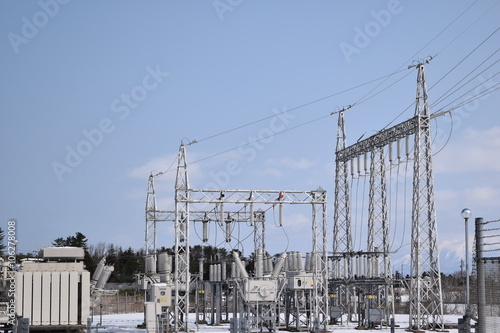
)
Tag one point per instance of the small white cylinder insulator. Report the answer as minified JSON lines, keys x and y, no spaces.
{"x":298,"y":255}
{"x":200,"y":269}
{"x":233,"y":270}
{"x":390,"y":152}
{"x":290,"y":258}
{"x":239,"y":264}
{"x":259,"y":264}
{"x":211,"y":273}
{"x":218,"y":274}
{"x":286,"y":266}
{"x":358,"y":267}
{"x":375,"y":263}
{"x":251,"y":215}
{"x":407,"y":146}
{"x":368,"y":267}
{"x":365,"y":268}
{"x":228,"y":231}
{"x":98,"y":270}
{"x":106,"y":273}
{"x":352,"y":167}
{"x":280,"y":215}
{"x":205,"y":231}
{"x":164,"y":263}
{"x":399,"y":148}
{"x":308,"y":262}
{"x":270,"y":266}
{"x":223,"y":271}
{"x":150,"y":265}
{"x":279,"y":265}
{"x":359,"y":164}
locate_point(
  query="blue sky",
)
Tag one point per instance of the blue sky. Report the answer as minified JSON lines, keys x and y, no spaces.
{"x":95,"y":95}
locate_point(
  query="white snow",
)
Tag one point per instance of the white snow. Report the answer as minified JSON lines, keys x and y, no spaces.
{"x":128,"y":323}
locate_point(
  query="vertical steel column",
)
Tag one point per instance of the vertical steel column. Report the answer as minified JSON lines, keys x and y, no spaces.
{"x":151,"y":218}
{"x":259,"y":235}
{"x":378,"y":219}
{"x":319,"y":260}
{"x":181,"y":309}
{"x":481,"y":285}
{"x":342,"y":238}
{"x":426,"y":307}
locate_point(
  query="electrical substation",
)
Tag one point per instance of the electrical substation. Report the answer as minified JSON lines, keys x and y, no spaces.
{"x":345,"y":275}
{"x":335,"y":279}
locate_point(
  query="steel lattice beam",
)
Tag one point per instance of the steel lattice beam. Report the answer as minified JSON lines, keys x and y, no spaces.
{"x":381,"y":139}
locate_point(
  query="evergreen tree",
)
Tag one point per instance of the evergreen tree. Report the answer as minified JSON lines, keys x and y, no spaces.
{"x":2,"y":245}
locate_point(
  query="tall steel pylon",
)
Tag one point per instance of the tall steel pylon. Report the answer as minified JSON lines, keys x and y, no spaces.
{"x":151,"y":218}
{"x":426,"y":307}
{"x":181,"y":275}
{"x":342,"y":238}
{"x":378,"y":217}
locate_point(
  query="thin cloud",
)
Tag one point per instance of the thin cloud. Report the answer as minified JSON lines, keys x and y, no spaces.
{"x":477,"y":150}
{"x":291,"y":163}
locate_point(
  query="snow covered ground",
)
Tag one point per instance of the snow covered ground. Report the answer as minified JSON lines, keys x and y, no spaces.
{"x":128,"y":323}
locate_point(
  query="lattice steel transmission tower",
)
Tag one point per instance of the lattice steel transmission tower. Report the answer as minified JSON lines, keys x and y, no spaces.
{"x":426,"y":307}
{"x":181,"y":274}
{"x":342,"y":271}
{"x":342,"y":238}
{"x":151,"y":218}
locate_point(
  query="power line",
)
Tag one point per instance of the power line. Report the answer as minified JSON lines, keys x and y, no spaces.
{"x":464,"y":58}
{"x":295,"y":108}
{"x":444,"y":96}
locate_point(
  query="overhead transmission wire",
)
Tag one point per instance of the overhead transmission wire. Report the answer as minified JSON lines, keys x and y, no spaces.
{"x":440,"y":51}
{"x":363,"y":99}
{"x":444,"y":95}
{"x":464,"y":58}
{"x":478,"y":95}
{"x":293,"y":109}
{"x":442,"y":99}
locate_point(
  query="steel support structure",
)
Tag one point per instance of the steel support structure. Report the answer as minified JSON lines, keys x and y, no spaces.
{"x":426,"y":309}
{"x":151,"y":218}
{"x":185,"y":197}
{"x":181,"y":274}
{"x":342,"y":237}
{"x":320,"y":261}
{"x":378,"y":217}
{"x":259,"y":231}
{"x":378,"y":234}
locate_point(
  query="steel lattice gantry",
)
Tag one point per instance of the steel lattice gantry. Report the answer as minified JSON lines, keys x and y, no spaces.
{"x":426,"y":309}
{"x":342,"y":238}
{"x":185,"y":197}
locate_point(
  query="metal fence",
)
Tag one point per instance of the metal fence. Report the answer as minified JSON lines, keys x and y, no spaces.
{"x":132,"y":302}
{"x":485,"y":291}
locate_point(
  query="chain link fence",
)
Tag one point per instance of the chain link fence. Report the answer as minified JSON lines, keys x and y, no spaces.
{"x":126,"y":302}
{"x":485,"y":279}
